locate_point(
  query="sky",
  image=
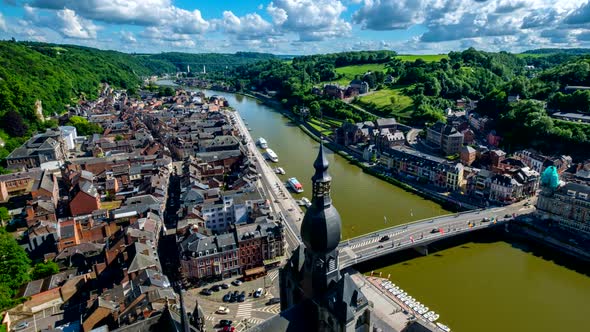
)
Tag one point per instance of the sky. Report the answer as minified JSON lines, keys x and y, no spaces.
{"x":300,"y":26}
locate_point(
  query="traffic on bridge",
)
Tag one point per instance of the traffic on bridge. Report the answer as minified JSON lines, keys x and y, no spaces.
{"x":421,"y":233}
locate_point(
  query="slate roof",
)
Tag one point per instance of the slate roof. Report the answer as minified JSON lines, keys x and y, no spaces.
{"x":89,"y":189}
{"x":294,"y":319}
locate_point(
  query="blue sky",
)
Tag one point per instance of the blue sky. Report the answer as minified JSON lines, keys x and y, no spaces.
{"x":300,"y":26}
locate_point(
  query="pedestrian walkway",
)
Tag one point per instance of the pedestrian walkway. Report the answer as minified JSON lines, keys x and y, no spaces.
{"x":273,"y":275}
{"x":211,"y":318}
{"x":376,"y":239}
{"x":271,"y":309}
{"x":244,"y":310}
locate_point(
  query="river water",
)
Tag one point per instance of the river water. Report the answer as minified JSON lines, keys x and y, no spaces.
{"x":483,"y":286}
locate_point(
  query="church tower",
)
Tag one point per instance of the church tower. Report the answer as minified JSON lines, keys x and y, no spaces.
{"x":320,"y":232}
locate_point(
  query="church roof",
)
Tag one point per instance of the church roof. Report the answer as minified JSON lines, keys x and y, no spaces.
{"x":294,"y":319}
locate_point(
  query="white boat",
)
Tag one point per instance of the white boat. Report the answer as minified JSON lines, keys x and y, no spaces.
{"x":262,"y":143}
{"x":279,"y":170}
{"x":306,"y":202}
{"x":295,"y":185}
{"x":443,"y":327}
{"x":272,"y":155}
{"x":433,"y":318}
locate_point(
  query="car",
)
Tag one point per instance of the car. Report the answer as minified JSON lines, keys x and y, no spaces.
{"x":215,"y":288}
{"x":435,"y":230}
{"x":222,"y":310}
{"x":485,"y":220}
{"x":227,"y":297}
{"x":225,"y":286}
{"x":384,"y":238}
{"x":258,"y":292}
{"x":274,"y":300}
{"x":507,"y":216}
{"x":242,"y":297}
{"x":228,"y":329}
{"x":21,"y":326}
{"x":236,"y":282}
{"x":225,"y":322}
{"x":206,"y":291}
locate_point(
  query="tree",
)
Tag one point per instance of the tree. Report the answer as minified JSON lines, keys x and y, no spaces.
{"x":43,"y":270}
{"x":14,"y":124}
{"x":4,"y":215}
{"x":83,"y":127}
{"x":14,"y":262}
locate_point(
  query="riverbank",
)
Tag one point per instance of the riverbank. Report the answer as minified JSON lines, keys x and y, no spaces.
{"x":347,"y":154}
{"x":552,"y":241}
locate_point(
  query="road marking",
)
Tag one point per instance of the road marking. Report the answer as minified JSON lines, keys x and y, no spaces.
{"x":271,"y":309}
{"x":273,"y":275}
{"x":244,"y":310}
{"x":211,"y":318}
{"x":255,"y":321}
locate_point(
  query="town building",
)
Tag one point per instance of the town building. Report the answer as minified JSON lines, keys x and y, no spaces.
{"x":209,"y":257}
{"x":567,"y":204}
{"x":445,"y":137}
{"x":260,"y":244}
{"x":41,"y":148}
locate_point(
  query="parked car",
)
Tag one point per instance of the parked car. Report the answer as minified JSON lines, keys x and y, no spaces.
{"x":384,"y":238}
{"x":435,"y":230}
{"x":258,"y":292}
{"x":486,"y":220}
{"x":274,"y":300}
{"x":222,"y":310}
{"x":216,"y":288}
{"x":225,"y":322}
{"x":228,"y":329}
{"x":206,"y":291}
{"x":242,"y":297}
{"x":236,"y":282}
{"x":227,"y":297}
{"x":224,"y":286}
{"x":21,"y":326}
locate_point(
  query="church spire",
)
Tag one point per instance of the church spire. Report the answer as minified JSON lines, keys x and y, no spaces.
{"x":321,"y":226}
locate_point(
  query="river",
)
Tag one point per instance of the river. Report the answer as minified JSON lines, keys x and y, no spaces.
{"x":483,"y":286}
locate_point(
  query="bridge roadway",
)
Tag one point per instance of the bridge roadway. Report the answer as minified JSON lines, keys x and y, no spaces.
{"x":418,"y":234}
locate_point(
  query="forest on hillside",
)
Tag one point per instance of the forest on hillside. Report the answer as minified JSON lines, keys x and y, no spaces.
{"x":538,"y":78}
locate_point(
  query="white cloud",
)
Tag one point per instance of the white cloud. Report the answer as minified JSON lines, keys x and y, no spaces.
{"x":72,"y":26}
{"x":128,"y":37}
{"x":134,"y":12}
{"x":390,"y":14}
{"x":66,"y":22}
{"x":3,"y":26}
{"x":312,"y":20}
{"x":248,"y":27}
{"x":164,"y":34}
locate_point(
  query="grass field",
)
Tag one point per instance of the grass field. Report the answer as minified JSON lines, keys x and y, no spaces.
{"x":327,"y":127}
{"x":349,"y":72}
{"x":425,"y":57}
{"x":400,"y":106}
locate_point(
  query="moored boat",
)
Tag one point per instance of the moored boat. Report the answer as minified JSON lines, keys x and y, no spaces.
{"x":306,"y":202}
{"x":272,"y":156}
{"x":443,"y":327}
{"x":279,"y":170}
{"x":295,"y":185}
{"x":262,"y":143}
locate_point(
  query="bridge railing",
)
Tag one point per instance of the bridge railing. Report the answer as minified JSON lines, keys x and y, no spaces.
{"x":403,"y":226}
{"x":408,"y":245}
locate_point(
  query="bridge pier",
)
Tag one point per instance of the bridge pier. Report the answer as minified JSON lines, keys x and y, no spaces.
{"x":422,"y":250}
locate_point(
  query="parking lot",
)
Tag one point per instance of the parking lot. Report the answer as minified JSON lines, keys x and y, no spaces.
{"x":244,"y":314}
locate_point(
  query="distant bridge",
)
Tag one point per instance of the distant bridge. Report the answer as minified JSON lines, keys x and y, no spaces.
{"x":420,"y":233}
